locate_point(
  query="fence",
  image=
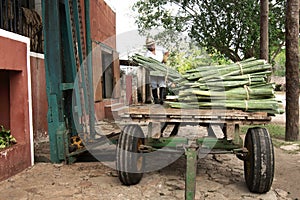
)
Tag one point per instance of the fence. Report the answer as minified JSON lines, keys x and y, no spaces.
{"x":14,"y":17}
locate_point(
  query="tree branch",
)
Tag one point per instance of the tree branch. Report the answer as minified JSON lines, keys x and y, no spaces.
{"x":274,"y":55}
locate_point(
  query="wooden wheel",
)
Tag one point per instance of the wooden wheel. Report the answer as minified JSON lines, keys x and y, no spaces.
{"x":130,"y":161}
{"x":259,"y":162}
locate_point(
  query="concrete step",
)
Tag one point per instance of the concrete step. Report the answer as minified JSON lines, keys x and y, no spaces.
{"x":119,"y":111}
{"x":114,"y":105}
{"x":112,"y":111}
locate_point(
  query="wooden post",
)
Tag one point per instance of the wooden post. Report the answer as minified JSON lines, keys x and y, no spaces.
{"x":232,"y":132}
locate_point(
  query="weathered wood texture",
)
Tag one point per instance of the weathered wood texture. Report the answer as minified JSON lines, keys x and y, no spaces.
{"x":155,"y":113}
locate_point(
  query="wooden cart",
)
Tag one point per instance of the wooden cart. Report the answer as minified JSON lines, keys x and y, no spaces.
{"x":223,"y":136}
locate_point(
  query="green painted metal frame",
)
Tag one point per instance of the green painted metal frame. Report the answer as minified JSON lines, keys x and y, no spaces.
{"x":53,"y":72}
{"x":191,"y":172}
{"x":70,"y":58}
{"x":81,"y":81}
{"x":191,"y":148}
{"x":207,"y":142}
{"x":61,"y":73}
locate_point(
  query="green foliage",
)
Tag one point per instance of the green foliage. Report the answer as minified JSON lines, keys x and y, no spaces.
{"x":276,"y":130}
{"x":219,"y":59}
{"x":173,"y":41}
{"x":277,"y":133}
{"x":183,"y":61}
{"x":193,"y":58}
{"x":228,"y":27}
{"x":279,"y":64}
{"x":6,"y":139}
{"x":276,"y":27}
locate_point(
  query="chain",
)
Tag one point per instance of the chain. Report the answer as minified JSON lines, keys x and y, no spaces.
{"x":84,"y":120}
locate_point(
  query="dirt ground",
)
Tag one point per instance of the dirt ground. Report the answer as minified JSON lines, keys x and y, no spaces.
{"x":219,"y":177}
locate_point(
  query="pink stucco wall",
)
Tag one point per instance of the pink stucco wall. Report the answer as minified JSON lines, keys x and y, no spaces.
{"x":15,"y":64}
{"x":39,"y":97}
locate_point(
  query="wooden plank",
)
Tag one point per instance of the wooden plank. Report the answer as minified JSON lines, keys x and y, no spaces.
{"x":159,"y":110}
{"x":156,"y":113}
{"x":228,"y":118}
{"x":199,"y":119}
{"x":136,"y":116}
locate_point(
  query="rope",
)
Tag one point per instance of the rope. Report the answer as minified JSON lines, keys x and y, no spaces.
{"x":246,"y":105}
{"x":241,"y":68}
{"x":167,"y":74}
{"x":247,"y":89}
{"x":249,"y":77}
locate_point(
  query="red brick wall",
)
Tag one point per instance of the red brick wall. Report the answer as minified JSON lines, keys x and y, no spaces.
{"x":103,"y":29}
{"x":97,"y":72}
{"x":103,"y":23}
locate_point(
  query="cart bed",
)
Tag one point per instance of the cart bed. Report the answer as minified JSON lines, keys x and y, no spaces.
{"x":157,"y":113}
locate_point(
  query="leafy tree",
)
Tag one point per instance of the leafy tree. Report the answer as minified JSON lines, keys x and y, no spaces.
{"x":185,"y":54}
{"x":195,"y":57}
{"x":230,"y":27}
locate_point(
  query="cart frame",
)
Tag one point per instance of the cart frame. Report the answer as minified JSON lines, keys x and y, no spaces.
{"x":157,"y":118}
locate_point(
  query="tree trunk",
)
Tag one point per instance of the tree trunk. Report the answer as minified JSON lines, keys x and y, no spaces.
{"x":264,"y":32}
{"x":292,"y":70}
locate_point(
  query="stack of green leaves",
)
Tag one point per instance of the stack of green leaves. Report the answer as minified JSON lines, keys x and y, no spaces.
{"x":154,"y":65}
{"x":6,"y":139}
{"x":242,"y":85}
